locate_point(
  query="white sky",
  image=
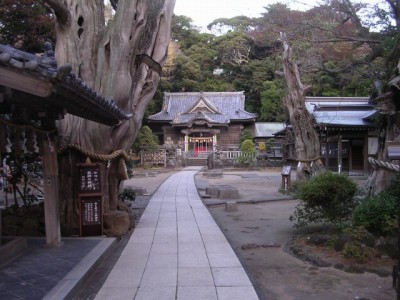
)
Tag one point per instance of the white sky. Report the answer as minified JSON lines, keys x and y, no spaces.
{"x":203,"y":12}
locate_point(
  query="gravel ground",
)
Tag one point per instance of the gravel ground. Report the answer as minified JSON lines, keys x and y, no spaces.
{"x":259,"y":230}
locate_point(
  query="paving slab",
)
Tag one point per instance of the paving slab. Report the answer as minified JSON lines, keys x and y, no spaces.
{"x":185,"y":255}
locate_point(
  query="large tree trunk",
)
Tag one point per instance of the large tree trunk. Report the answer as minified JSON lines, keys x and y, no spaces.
{"x":307,"y":143}
{"x":121,"y":61}
{"x":387,"y":104}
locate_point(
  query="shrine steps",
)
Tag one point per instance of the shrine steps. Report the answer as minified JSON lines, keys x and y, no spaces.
{"x":196,"y":161}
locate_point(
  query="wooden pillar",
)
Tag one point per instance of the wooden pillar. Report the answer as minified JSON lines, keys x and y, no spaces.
{"x":186,"y":143}
{"x":51,"y":201}
{"x":365,"y":153}
{"x":340,"y":154}
{"x":327,"y":151}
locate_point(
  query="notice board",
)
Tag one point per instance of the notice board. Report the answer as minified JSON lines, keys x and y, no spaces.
{"x":90,"y":200}
{"x":89,"y":178}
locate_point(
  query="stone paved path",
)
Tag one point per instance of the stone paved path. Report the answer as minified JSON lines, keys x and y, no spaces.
{"x":177,"y":251}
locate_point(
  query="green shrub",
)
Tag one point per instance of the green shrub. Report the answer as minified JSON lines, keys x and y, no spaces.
{"x":145,"y":139}
{"x":328,"y":197}
{"x":360,"y":234}
{"x":378,"y":214}
{"x":248,"y":147}
{"x":248,"y":154}
{"x":127,"y":194}
{"x":354,"y":249}
{"x":246,"y":134}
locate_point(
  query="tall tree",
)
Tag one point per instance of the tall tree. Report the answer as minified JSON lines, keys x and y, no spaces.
{"x":121,"y":60}
{"x":387,"y":96}
{"x":306,"y":137}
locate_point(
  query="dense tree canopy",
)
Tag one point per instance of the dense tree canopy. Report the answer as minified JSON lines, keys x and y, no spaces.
{"x":342,"y":48}
{"x":25,"y":24}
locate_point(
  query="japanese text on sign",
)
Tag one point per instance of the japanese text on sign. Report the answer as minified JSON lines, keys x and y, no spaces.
{"x":91,"y":211}
{"x":89,"y":179}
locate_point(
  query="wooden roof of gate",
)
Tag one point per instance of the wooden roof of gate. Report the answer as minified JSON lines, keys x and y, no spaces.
{"x":34,"y":88}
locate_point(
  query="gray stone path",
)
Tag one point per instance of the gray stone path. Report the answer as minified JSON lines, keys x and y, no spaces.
{"x":177,"y":251}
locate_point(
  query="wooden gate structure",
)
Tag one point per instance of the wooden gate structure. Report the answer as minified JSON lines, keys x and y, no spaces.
{"x":34,"y":94}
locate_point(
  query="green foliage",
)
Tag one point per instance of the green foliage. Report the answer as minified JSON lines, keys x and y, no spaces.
{"x":272,"y":108}
{"x":360,"y":244}
{"x":249,"y":53}
{"x":354,"y":249}
{"x":127,"y":194}
{"x":379,"y":213}
{"x":215,"y":85}
{"x":235,"y":23}
{"x":26,"y":25}
{"x":248,"y":154}
{"x":248,"y":147}
{"x":325,"y":198}
{"x":184,"y":32}
{"x":358,"y":233}
{"x":145,"y":139}
{"x":246,"y":134}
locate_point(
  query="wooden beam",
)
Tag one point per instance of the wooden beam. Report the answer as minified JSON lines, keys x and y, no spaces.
{"x":25,"y":82}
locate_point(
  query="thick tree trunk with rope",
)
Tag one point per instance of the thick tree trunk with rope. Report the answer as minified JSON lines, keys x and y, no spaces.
{"x":307,"y":143}
{"x":121,"y":61}
{"x":382,"y":170}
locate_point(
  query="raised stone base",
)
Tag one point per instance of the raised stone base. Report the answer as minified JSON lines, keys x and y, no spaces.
{"x":214,"y":173}
{"x":212,"y":190}
{"x":222,"y":192}
{"x":116,"y":223}
{"x":228,"y":192}
{"x":231,"y":206}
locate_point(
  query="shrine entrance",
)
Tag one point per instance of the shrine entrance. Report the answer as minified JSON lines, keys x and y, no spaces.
{"x":201,"y":145}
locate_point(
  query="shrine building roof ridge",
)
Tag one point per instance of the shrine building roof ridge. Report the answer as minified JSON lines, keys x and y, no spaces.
{"x":216,"y":107}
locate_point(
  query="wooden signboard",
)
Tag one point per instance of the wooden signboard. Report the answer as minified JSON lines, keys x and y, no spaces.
{"x":91,"y":216}
{"x":89,"y":178}
{"x":90,"y":200}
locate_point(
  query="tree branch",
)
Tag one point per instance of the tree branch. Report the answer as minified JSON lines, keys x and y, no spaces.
{"x":61,"y":12}
{"x":344,"y":39}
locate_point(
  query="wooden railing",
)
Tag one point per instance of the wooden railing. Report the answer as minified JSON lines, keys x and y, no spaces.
{"x":229,"y":157}
{"x":155,"y":157}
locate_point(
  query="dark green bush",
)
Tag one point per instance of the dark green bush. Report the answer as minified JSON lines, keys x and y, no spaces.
{"x":127,"y":194}
{"x":378,"y":214}
{"x":328,"y":197}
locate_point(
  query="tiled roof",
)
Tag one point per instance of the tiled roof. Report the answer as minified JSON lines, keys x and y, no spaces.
{"x":208,"y":117}
{"x":341,"y":111}
{"x":223,"y":108}
{"x":63,"y":91}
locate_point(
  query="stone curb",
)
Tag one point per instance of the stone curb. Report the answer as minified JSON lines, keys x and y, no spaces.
{"x":71,"y":281}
